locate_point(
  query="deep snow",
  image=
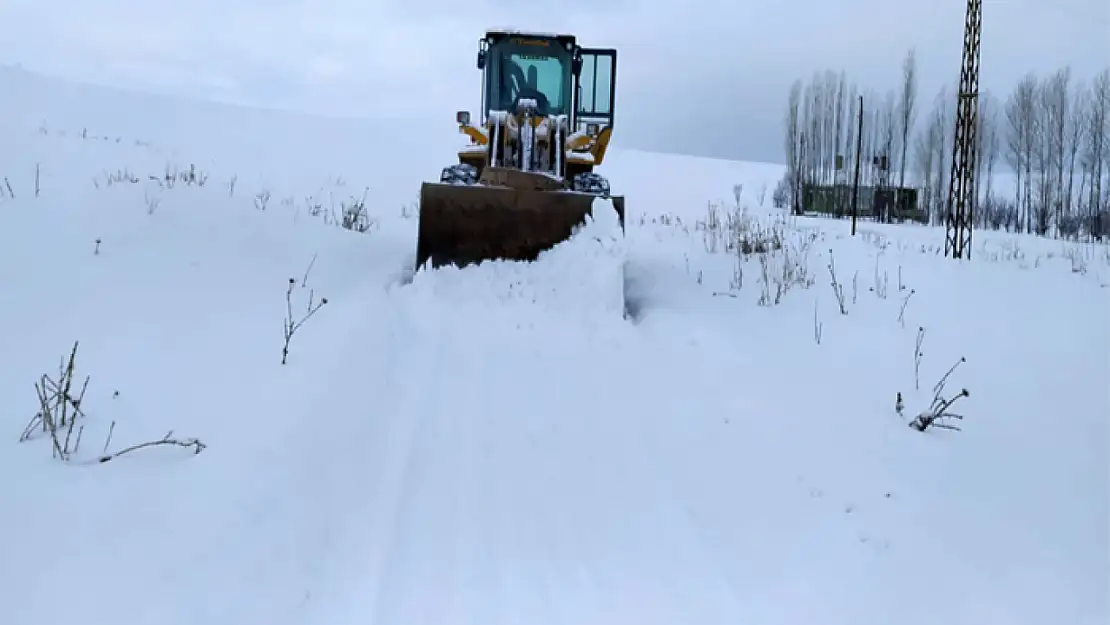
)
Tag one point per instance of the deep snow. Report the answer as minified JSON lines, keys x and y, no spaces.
{"x":497,"y":444}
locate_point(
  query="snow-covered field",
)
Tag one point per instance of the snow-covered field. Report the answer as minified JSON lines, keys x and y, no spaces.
{"x":497,"y":445}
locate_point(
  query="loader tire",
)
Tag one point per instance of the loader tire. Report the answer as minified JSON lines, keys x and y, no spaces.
{"x":589,"y":182}
{"x":462,"y":173}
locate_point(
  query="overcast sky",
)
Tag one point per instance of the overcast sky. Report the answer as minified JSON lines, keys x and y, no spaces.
{"x":706,"y":77}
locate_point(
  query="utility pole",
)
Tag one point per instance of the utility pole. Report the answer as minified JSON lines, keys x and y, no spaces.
{"x":961,"y":185}
{"x":855,"y":185}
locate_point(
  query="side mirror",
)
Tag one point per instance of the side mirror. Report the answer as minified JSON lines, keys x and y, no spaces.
{"x":481,"y":59}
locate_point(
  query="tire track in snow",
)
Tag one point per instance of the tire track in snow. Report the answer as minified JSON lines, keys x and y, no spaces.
{"x":312,"y":497}
{"x":454,"y":530}
{"x":360,"y":470}
{"x":515,"y":492}
{"x":411,"y":371}
{"x":434,"y":550}
{"x":447,"y":551}
{"x":527,"y":502}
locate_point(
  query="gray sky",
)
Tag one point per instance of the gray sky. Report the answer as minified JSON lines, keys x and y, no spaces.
{"x":705,"y":77}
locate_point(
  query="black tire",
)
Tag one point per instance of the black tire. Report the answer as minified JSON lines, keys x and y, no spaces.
{"x":463,"y":173}
{"x":589,"y":182}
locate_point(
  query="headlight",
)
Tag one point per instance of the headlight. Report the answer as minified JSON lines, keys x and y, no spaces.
{"x":463,"y":117}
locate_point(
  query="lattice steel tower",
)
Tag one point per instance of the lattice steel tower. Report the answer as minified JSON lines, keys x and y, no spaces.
{"x":961,"y":186}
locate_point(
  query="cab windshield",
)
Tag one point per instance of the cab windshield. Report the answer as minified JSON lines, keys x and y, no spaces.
{"x":540,"y":77}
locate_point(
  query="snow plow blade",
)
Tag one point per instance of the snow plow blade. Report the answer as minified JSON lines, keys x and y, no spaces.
{"x":467,"y":224}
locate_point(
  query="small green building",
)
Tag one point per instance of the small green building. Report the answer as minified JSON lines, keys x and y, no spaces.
{"x":899,"y":203}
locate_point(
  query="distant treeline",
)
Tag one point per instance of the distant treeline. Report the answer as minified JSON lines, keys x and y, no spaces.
{"x":1052,"y":133}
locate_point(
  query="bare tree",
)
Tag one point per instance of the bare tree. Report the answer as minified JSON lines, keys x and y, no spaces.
{"x":1015,"y":155}
{"x":837,"y":155}
{"x":987,"y":155}
{"x":849,"y":146}
{"x":828,"y":126}
{"x":1056,"y":90}
{"x":1095,"y":150}
{"x":939,"y":136}
{"x":907,"y":109}
{"x":794,"y":145}
{"x":1044,"y":154}
{"x":930,"y":153}
{"x":1076,"y":127}
{"x":1021,"y":120}
{"x":925,"y":158}
{"x":810,"y":143}
{"x":889,"y":128}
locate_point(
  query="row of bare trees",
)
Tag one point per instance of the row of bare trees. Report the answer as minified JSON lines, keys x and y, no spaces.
{"x":1054,"y":133}
{"x":823,"y":132}
{"x":1043,"y":152}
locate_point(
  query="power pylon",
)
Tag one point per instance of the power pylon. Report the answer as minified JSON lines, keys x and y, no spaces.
{"x":961,"y":185}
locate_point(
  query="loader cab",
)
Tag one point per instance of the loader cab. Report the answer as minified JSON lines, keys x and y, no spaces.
{"x":523,"y":66}
{"x":563,"y":77}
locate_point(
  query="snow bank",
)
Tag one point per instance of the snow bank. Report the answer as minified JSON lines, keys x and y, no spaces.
{"x":580,"y":277}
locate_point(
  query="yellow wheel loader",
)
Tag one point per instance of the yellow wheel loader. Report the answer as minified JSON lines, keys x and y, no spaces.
{"x":527,"y":178}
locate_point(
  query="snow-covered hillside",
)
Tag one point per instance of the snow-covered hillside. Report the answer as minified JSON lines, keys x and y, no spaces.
{"x":498,"y":445}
